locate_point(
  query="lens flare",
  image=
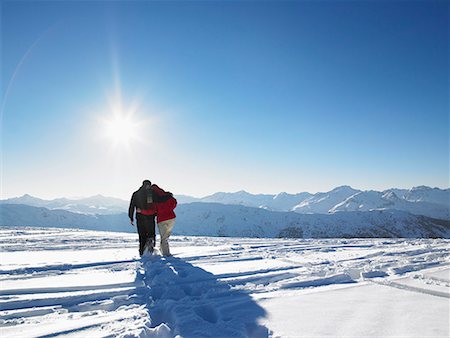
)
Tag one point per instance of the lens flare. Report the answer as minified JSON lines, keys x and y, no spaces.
{"x":120,"y":129}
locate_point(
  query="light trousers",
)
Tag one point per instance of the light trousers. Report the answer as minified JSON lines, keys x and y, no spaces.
{"x":165,"y":229}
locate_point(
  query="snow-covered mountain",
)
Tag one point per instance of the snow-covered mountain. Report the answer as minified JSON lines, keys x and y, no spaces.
{"x":214,"y":219}
{"x":183,"y":199}
{"x":427,"y":194}
{"x":284,"y":201}
{"x":434,"y":202}
{"x":431,"y":202}
{"x":368,"y":200}
{"x":401,"y":193}
{"x":373,"y":200}
{"x":322,"y":202}
{"x":279,"y":202}
{"x":97,"y":204}
{"x":239,"y":198}
{"x":19,"y":214}
{"x":27,"y":200}
{"x":237,"y":221}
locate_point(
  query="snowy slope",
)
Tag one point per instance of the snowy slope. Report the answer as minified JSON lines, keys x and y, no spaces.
{"x":98,"y":204}
{"x":182,"y":199}
{"x":321,"y":203}
{"x":280,"y":202}
{"x":324,"y":201}
{"x":401,"y":193}
{"x":228,"y":220}
{"x":74,"y":283}
{"x":368,"y":200}
{"x":372,"y":200}
{"x":431,"y":202}
{"x":213,"y":219}
{"x":17,"y":214}
{"x":239,"y":198}
{"x":285,"y":202}
{"x":427,"y":194}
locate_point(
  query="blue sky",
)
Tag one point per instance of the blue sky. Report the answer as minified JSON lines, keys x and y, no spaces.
{"x":263,"y":96}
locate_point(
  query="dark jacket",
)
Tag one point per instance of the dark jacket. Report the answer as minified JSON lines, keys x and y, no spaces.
{"x":139,"y":201}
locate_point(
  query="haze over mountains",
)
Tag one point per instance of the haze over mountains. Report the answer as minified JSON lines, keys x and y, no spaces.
{"x":422,"y":200}
{"x":97,"y":204}
{"x":215,"y":219}
{"x":341,"y":212}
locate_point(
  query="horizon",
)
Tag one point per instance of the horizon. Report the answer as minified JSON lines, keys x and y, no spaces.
{"x":206,"y":97}
{"x":219,"y":192}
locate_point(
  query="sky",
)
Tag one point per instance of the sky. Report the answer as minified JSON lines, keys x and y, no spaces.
{"x":208,"y":96}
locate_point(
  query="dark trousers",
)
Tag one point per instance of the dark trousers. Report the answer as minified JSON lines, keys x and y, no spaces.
{"x":146,"y":229}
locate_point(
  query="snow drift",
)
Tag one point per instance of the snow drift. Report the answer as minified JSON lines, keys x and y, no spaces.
{"x":78,"y":283}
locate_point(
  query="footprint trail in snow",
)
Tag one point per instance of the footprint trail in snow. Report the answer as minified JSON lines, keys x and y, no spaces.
{"x":77,"y":283}
{"x":189,"y":301}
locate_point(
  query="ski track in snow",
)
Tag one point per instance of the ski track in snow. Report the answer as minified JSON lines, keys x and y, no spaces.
{"x":78,"y":283}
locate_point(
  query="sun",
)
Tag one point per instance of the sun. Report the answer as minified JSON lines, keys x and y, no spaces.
{"x":124,"y":126}
{"x":120,"y":129}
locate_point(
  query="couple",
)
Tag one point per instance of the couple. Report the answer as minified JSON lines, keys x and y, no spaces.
{"x":150,"y":201}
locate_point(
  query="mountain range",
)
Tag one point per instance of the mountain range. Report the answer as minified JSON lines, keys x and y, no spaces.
{"x":421,"y":200}
{"x":342,"y":212}
{"x":94,"y":205}
{"x":215,"y":219}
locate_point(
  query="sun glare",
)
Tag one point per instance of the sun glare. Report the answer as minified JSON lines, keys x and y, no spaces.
{"x":122,"y":126}
{"x":120,"y":129}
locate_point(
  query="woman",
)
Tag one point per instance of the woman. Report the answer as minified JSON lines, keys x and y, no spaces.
{"x":165,"y":216}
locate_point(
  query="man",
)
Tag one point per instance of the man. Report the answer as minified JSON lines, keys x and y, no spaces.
{"x":166,"y":217}
{"x":142,"y":201}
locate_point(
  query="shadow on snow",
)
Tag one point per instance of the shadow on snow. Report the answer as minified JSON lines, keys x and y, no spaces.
{"x":193,"y":303}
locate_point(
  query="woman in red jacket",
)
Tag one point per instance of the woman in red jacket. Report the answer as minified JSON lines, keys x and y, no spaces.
{"x":165,"y":216}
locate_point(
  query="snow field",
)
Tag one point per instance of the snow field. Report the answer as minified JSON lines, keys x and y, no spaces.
{"x":76,"y":283}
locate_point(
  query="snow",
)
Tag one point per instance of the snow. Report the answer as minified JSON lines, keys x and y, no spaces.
{"x":213,"y":219}
{"x":365,"y":310}
{"x":239,"y":198}
{"x":80,"y":283}
{"x":91,"y":205}
{"x":422,"y":200}
{"x":321,"y":203}
{"x":374,"y":200}
{"x":427,"y":194}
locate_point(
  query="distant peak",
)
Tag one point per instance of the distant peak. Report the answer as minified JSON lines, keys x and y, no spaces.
{"x":390,"y":195}
{"x":28,"y":196}
{"x":343,"y":187}
{"x":240,"y":192}
{"x":281,"y":194}
{"x":420,"y":187}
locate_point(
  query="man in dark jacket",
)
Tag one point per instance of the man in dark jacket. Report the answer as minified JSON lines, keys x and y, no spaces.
{"x":143,"y":201}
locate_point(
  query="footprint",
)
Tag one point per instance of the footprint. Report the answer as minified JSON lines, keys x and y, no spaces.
{"x":157,"y":292}
{"x":187,"y":289}
{"x":182,"y":273}
{"x":373,"y":274}
{"x":174,"y":293}
{"x":207,"y":313}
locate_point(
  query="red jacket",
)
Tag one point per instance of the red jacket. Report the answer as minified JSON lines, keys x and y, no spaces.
{"x":164,"y":210}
